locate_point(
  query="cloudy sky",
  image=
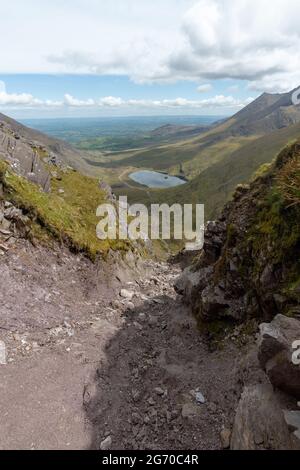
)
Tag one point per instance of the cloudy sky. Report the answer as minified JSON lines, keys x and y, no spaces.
{"x":94,"y":57}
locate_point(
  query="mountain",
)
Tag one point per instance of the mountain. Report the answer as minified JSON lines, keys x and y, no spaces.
{"x":29,"y":151}
{"x":175,"y":131}
{"x":254,"y":247}
{"x":224,"y":156}
{"x":39,"y":176}
{"x":268,"y":113}
{"x":246,"y":281}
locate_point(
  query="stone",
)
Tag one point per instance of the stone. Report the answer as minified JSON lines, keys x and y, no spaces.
{"x":106,"y":444}
{"x":151,"y":401}
{"x":5,"y":227}
{"x":259,"y":422}
{"x":292,"y":418}
{"x":189,"y":410}
{"x":159,"y":391}
{"x":116,"y":304}
{"x":126,"y":294}
{"x":276,"y":353}
{"x":200,"y":398}
{"x":185,"y":284}
{"x":153,"y":321}
{"x":225,"y":437}
{"x":12,"y":213}
{"x":135,"y":419}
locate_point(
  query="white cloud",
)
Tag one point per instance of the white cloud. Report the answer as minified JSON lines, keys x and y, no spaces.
{"x":238,"y":41}
{"x":69,"y":100}
{"x":218,"y":101}
{"x":255,"y":40}
{"x":24,"y":100}
{"x":206,"y":87}
{"x":111,"y":101}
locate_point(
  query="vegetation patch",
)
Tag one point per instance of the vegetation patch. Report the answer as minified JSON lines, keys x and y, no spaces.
{"x":68,"y":213}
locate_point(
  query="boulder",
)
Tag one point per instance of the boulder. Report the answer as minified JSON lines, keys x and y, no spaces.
{"x":276,"y":353}
{"x":126,"y":294}
{"x":185,"y":284}
{"x":259,"y":422}
{"x":292,"y":419}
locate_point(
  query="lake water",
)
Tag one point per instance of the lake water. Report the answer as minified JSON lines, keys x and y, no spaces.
{"x":153,"y":179}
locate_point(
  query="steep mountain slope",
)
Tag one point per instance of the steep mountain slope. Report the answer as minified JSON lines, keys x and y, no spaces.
{"x":249,"y":267}
{"x":36,"y":176}
{"x":215,"y":186}
{"x":265,"y":115}
{"x":177,"y":132}
{"x":216,"y":183}
{"x":27,"y":148}
{"x":247,"y":273}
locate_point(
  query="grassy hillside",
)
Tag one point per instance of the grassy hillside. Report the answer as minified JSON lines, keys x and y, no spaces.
{"x":67,"y":213}
{"x":215,"y":185}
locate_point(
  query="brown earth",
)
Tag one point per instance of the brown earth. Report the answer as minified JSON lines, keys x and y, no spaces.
{"x":85,"y":364}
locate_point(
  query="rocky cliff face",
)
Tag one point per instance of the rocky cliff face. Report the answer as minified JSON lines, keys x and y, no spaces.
{"x":249,"y":267}
{"x":249,"y":272}
{"x":23,"y":156}
{"x":30,"y":153}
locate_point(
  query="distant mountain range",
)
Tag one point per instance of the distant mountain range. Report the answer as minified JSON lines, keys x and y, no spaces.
{"x":214,"y":158}
{"x":225,"y":155}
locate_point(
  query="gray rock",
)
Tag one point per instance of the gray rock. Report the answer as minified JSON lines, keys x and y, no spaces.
{"x":106,"y":444}
{"x":151,"y":401}
{"x":126,"y":294}
{"x":292,"y":419}
{"x":200,"y":398}
{"x":5,"y":226}
{"x":185,"y":284}
{"x":225,"y":437}
{"x":136,"y":419}
{"x":276,"y":353}
{"x":189,"y":410}
{"x":259,"y":422}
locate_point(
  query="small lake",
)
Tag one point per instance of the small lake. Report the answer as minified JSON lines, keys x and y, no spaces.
{"x":153,"y":179}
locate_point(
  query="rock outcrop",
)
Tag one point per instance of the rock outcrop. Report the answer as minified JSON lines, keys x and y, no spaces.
{"x":249,"y":273}
{"x":249,"y":265}
{"x":13,"y":222}
{"x":266,"y":416}
{"x":23,"y":157}
{"x":259,"y":422}
{"x":276,"y":353}
{"x":30,"y":153}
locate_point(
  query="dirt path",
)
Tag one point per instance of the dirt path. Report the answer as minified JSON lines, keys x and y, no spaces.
{"x":87,"y":365}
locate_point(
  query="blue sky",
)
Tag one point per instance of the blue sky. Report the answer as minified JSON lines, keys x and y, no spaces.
{"x":85,"y":87}
{"x":131,"y":57}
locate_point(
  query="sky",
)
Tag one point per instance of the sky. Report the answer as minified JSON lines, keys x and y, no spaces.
{"x":64,"y":58}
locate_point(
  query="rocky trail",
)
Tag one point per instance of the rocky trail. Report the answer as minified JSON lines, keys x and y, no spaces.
{"x":96,"y":362}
